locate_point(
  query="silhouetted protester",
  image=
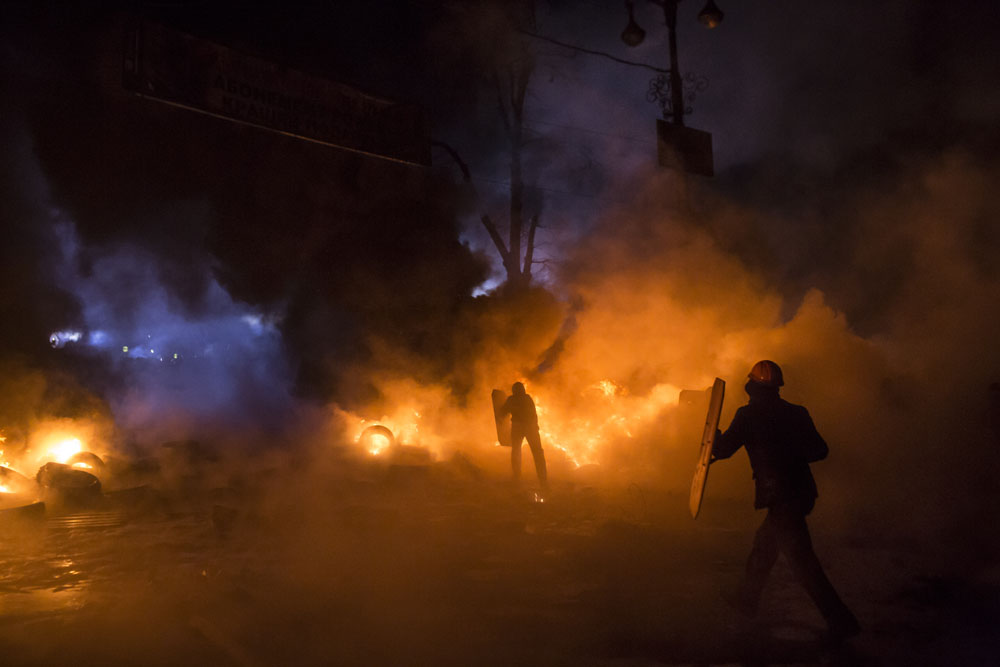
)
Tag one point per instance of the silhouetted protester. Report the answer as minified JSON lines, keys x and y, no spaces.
{"x":781,"y":442}
{"x":524,"y":425}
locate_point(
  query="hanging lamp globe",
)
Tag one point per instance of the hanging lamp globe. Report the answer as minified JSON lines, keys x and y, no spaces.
{"x":633,"y":34}
{"x":710,"y":16}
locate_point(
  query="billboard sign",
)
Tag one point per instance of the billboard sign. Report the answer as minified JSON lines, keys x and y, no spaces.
{"x":200,"y":75}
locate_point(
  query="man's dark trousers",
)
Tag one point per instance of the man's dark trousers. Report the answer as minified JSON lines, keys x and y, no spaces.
{"x":519,"y":433}
{"x":784,"y":531}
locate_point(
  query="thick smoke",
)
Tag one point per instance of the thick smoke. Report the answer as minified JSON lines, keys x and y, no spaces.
{"x":895,"y":403}
{"x":867,"y":274}
{"x":193,"y":275}
{"x":858,"y":250}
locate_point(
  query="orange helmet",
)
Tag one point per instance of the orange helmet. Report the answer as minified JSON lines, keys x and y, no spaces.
{"x":767,"y":373}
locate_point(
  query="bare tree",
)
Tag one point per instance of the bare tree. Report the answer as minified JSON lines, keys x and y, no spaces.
{"x":511,"y":85}
{"x":510,"y":80}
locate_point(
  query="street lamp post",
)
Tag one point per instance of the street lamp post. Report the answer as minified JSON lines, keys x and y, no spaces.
{"x":687,"y":142}
{"x":676,"y":87}
{"x":710,"y":16}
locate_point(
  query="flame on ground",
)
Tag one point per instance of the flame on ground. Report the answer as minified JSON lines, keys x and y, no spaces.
{"x":63,"y":450}
{"x":404,"y":425}
{"x":53,"y":440}
{"x":377,"y":444}
{"x":602,"y":413}
{"x":376,"y":439}
{"x":578,"y":424}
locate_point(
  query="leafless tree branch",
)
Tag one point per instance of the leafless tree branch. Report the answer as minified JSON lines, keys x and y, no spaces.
{"x":491,"y":228}
{"x":463,"y":167}
{"x":529,"y":251}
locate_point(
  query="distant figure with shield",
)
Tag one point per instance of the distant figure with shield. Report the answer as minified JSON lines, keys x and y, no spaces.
{"x":524,"y":425}
{"x":781,"y":441}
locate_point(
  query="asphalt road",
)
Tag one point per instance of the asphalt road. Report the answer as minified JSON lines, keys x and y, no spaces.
{"x":441,"y":565}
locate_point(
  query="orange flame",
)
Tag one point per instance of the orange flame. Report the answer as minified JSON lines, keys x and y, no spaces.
{"x":62,"y":450}
{"x":605,"y":412}
{"x":404,"y":425}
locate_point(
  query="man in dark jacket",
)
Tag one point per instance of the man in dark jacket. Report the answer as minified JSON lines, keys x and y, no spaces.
{"x":524,"y":424}
{"x":782,"y":441}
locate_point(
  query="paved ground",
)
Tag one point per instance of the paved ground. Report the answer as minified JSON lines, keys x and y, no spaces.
{"x":440,"y":566}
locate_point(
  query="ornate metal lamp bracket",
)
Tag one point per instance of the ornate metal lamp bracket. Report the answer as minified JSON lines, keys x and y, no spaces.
{"x":660,"y":92}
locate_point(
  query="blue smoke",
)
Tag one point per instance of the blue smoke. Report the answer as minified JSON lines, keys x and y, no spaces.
{"x":175,"y":365}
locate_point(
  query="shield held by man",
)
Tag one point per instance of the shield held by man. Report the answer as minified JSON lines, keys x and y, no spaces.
{"x":502,"y":423}
{"x":707,"y":440}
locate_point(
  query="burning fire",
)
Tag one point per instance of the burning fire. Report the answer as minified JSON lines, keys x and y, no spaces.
{"x":54,"y":440}
{"x":375,"y":439}
{"x":378,"y":444}
{"x":377,"y":436}
{"x":63,"y":450}
{"x":6,"y":464}
{"x":60,"y":441}
{"x":605,"y":412}
{"x":579,"y":424}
